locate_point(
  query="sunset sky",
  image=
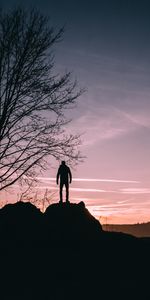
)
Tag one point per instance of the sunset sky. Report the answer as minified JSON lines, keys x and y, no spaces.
{"x":107,"y":47}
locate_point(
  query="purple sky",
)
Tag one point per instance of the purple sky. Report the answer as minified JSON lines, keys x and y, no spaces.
{"x":107,"y":46}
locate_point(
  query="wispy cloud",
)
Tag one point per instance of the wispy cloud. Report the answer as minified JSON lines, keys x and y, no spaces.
{"x":104,"y":123}
{"x":74,"y":189}
{"x":135,"y":191}
{"x":139,"y":117}
{"x":91,"y":180}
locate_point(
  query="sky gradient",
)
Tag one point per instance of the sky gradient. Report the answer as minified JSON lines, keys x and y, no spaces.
{"x":107,"y":47}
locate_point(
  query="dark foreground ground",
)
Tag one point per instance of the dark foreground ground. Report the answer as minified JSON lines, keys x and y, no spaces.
{"x":65,"y":254}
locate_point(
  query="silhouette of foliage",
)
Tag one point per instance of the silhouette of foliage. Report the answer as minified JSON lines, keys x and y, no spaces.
{"x":32,"y":97}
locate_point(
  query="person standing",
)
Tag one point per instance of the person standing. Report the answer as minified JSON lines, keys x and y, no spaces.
{"x":64,"y":177}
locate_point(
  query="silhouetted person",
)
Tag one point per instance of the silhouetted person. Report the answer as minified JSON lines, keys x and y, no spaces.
{"x":64,"y":177}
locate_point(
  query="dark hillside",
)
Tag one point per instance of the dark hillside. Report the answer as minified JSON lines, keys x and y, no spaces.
{"x":65,"y":254}
{"x":138,"y":230}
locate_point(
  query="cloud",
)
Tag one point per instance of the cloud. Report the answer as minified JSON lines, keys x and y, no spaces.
{"x":135,"y":191}
{"x":139,"y":118}
{"x":90,"y":180}
{"x":73,"y":189}
{"x":101,"y":124}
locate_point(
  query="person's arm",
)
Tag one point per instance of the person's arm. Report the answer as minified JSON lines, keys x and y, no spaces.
{"x":70,"y":175}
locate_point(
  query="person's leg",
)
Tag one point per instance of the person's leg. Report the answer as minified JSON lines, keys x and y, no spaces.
{"x":60,"y":192}
{"x":67,"y":191}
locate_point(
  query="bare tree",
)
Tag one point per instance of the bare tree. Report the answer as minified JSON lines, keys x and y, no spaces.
{"x":32,"y":98}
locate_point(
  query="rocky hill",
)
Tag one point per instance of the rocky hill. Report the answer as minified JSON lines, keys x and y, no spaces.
{"x":65,"y":254}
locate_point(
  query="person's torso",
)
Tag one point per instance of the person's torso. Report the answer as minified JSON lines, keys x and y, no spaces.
{"x":64,"y":172}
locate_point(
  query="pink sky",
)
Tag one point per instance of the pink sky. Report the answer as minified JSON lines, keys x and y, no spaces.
{"x":108,"y":52}
{"x":114,"y":119}
{"x":109,"y":200}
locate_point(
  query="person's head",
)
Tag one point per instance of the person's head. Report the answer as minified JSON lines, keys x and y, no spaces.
{"x":63,"y":162}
